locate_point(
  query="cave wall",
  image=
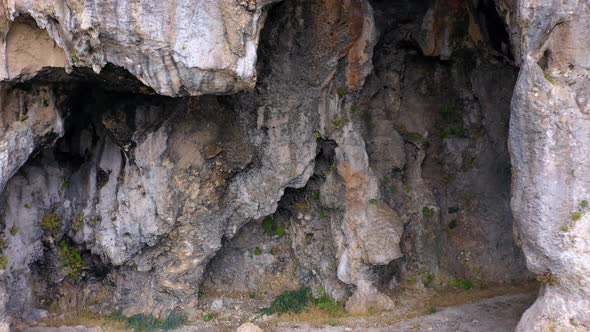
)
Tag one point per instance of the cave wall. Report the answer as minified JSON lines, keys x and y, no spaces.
{"x":375,"y":139}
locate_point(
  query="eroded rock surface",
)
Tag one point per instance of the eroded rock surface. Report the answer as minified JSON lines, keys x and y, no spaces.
{"x":176,"y":48}
{"x":369,"y":151}
{"x":549,"y":148}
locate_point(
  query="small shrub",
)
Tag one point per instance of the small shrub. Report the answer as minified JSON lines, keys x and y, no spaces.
{"x":3,"y":262}
{"x":208,"y":317}
{"x":13,"y":230}
{"x":332,"y":323}
{"x":302,"y":206}
{"x":23,"y":118}
{"x":268,"y":224}
{"x":71,"y":259}
{"x":341,"y":92}
{"x":315,"y":195}
{"x":373,"y":201}
{"x":280,"y":231}
{"x":461,"y":283}
{"x":289,"y":301}
{"x":564,"y":228}
{"x":432,"y":310}
{"x":64,"y":183}
{"x":78,"y":222}
{"x":257,"y":251}
{"x":427,"y":279}
{"x":3,"y":242}
{"x":322,"y":215}
{"x":548,"y":76}
{"x":427,"y":212}
{"x":353,"y":109}
{"x":470,"y":162}
{"x":413,"y":137}
{"x":326,"y":303}
{"x":27,"y":206}
{"x":317,"y":134}
{"x":576,"y":215}
{"x":548,"y":278}
{"x":51,"y":223}
{"x":141,"y":322}
{"x":329,"y":170}
{"x":584,"y":203}
{"x":337,"y":122}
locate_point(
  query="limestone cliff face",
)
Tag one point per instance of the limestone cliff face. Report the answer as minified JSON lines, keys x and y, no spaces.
{"x":368,"y":148}
{"x":549,"y":149}
{"x":176,"y":48}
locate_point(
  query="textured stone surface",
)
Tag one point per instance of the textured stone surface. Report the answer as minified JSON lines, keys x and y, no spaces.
{"x":376,"y":139}
{"x":549,"y":148}
{"x":176,"y":48}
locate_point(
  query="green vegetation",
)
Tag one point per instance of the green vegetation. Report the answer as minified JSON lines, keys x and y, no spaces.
{"x":548,"y":278}
{"x":548,"y":76}
{"x":23,"y":118}
{"x":280,"y":231}
{"x":564,"y":228}
{"x":337,"y":122}
{"x":298,"y":300}
{"x":13,"y":230}
{"x":268,"y":224}
{"x":208,"y":317}
{"x":332,"y":323}
{"x":326,"y":303}
{"x":353,"y":109}
{"x":78,"y":222}
{"x":427,"y":212}
{"x":145,"y":323}
{"x":453,"y":117}
{"x":315,"y":195}
{"x":576,"y":215}
{"x":427,"y":279}
{"x":584,"y":203}
{"x":341,"y":92}
{"x":27,"y":206}
{"x":461,"y":283}
{"x":257,"y":251}
{"x":51,"y":223}
{"x":413,"y":137}
{"x":317,"y":134}
{"x":64,"y":183}
{"x":373,"y":201}
{"x":329,"y":170}
{"x":322,"y":215}
{"x":3,"y":262}
{"x":470,"y":162}
{"x":432,"y":310}
{"x":71,"y":259}
{"x":3,"y":242}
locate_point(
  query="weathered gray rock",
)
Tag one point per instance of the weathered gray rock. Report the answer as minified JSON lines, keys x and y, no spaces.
{"x":27,"y":119}
{"x":176,"y":48}
{"x":549,"y":148}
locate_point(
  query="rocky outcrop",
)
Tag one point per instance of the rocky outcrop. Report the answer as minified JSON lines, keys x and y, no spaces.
{"x":29,"y":119}
{"x":176,"y":48}
{"x":549,"y":148}
{"x":372,"y":151}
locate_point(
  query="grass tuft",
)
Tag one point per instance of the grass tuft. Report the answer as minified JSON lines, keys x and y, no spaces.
{"x":461,"y":283}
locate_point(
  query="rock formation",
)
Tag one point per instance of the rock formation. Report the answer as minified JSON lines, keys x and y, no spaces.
{"x":163,"y":148}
